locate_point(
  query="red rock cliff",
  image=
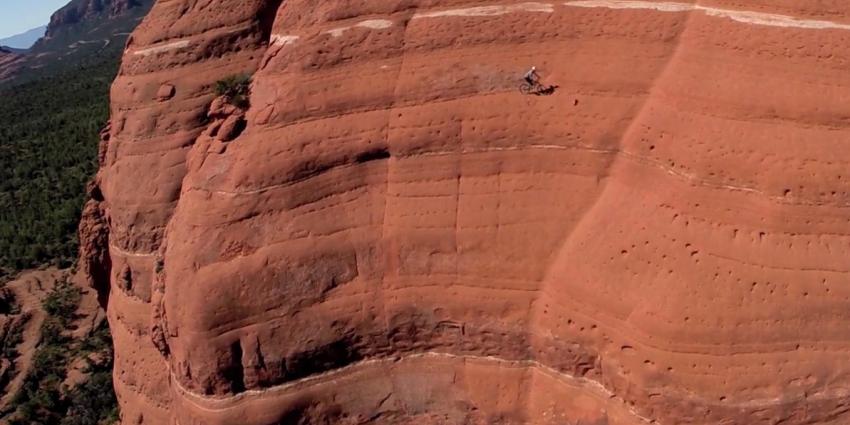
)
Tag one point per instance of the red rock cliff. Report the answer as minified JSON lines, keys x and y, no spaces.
{"x":394,"y":234}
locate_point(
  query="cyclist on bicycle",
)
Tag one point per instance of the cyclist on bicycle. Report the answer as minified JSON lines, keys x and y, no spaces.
{"x":531,"y":76}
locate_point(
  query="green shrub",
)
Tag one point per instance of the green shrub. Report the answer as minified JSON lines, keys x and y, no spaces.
{"x":62,"y":302}
{"x":235,"y":90}
{"x":14,"y":337}
{"x":93,"y":402}
{"x":7,"y":301}
{"x":98,"y":342}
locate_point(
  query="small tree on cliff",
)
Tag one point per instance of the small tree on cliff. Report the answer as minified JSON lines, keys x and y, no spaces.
{"x":234,"y":89}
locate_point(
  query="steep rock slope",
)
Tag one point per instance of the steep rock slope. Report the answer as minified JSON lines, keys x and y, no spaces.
{"x":399,"y":236}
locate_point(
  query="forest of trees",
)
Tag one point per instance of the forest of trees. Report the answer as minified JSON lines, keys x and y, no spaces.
{"x":49,"y":130}
{"x":51,"y":114}
{"x":49,"y":136}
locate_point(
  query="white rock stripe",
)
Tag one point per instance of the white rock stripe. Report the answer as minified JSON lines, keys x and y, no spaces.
{"x":375,"y":24}
{"x":773,"y":20}
{"x":224,"y":403}
{"x":126,"y":253}
{"x":615,"y":4}
{"x":163,"y":48}
{"x":283,"y":40}
{"x":489,"y":10}
{"x":743,"y":16}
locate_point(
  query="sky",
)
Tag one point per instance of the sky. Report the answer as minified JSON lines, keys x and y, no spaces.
{"x":17,"y":16}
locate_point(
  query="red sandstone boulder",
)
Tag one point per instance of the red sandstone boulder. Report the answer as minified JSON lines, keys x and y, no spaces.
{"x":165,"y":92}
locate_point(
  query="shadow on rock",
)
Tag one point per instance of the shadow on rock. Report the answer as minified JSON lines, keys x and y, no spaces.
{"x":546,"y":91}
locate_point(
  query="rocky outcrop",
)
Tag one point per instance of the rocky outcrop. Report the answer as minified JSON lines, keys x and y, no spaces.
{"x":395,"y":234}
{"x":95,"y":263}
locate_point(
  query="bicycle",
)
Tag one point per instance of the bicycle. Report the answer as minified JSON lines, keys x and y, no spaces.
{"x":528,"y":88}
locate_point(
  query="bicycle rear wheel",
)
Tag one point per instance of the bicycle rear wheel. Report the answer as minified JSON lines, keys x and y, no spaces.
{"x":526,"y":88}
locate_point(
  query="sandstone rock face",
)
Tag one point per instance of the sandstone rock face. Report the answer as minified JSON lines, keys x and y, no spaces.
{"x":398,"y":236}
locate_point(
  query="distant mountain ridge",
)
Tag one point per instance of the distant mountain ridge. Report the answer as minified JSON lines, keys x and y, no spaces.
{"x":78,"y":11}
{"x":83,"y":31}
{"x":84,"y":21}
{"x":24,"y":40}
{"x":72,"y":15}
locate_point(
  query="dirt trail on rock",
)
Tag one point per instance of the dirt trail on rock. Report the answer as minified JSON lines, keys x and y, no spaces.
{"x":30,"y":289}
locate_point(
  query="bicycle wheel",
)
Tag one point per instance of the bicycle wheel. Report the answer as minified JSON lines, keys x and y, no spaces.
{"x":526,"y":88}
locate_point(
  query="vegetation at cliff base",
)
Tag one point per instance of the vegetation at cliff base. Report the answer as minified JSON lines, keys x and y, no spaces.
{"x":44,"y":399}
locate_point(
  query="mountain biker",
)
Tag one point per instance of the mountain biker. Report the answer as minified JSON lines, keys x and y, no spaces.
{"x":531,"y":76}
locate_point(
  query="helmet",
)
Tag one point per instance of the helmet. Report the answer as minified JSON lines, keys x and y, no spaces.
{"x":534,"y":68}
